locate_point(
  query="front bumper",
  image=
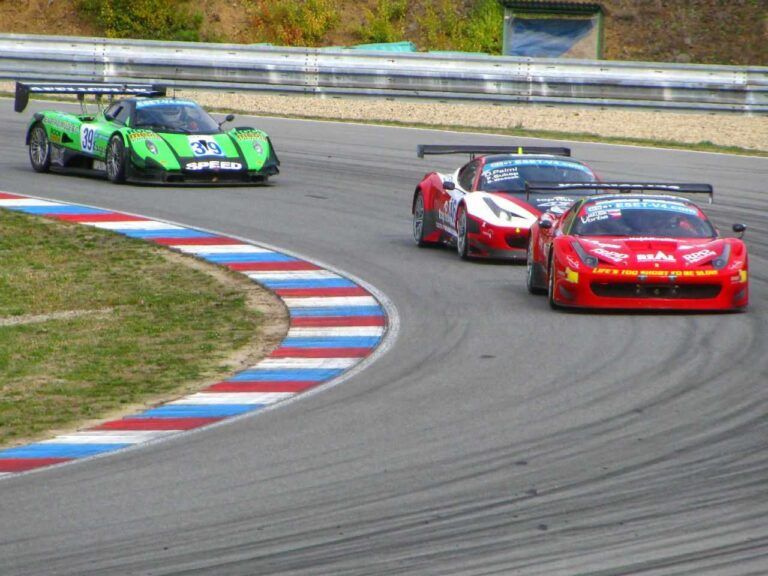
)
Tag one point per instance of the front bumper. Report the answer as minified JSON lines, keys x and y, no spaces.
{"x":709,"y":290}
{"x":496,"y":242}
{"x":150,"y":172}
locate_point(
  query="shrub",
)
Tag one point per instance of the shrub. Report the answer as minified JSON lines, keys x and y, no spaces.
{"x":295,"y":22}
{"x":386,"y":23}
{"x":154,"y":19}
{"x":481,"y":29}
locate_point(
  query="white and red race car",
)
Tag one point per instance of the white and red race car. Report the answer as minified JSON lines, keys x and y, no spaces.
{"x":482,"y":208}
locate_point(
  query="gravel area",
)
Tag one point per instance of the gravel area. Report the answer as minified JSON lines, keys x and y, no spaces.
{"x":722,"y":129}
{"x":688,"y":127}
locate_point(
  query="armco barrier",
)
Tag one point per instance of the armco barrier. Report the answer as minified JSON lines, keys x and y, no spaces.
{"x":741,"y":89}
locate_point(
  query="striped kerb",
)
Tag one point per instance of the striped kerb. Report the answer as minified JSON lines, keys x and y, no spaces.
{"x":334,"y":324}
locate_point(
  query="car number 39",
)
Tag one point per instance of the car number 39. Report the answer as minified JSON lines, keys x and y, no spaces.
{"x":87,"y":138}
{"x":205,"y":146}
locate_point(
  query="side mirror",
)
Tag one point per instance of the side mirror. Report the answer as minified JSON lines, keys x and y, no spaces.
{"x":740,"y":229}
{"x":545,"y":224}
{"x":227,"y":118}
{"x":448,"y":185}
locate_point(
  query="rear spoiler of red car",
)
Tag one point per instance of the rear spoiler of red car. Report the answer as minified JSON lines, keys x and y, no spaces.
{"x":474,"y":149}
{"x":635,"y":187}
{"x":81,"y":89}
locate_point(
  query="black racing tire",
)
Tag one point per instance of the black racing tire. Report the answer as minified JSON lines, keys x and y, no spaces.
{"x":462,"y":240}
{"x":533,"y":280}
{"x":418,"y":220}
{"x":533,"y":277}
{"x":39,"y":149}
{"x":115,"y":159}
{"x":551,"y":286}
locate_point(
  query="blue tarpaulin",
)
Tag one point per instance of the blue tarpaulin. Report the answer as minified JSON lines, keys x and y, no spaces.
{"x":547,"y":37}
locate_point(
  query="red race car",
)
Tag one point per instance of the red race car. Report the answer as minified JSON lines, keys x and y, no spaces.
{"x":630,"y":249}
{"x":482,"y":208}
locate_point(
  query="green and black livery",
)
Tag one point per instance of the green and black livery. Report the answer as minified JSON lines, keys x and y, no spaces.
{"x":144,"y":136}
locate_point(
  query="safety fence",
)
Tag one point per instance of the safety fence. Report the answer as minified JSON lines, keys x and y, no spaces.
{"x":348,"y":72}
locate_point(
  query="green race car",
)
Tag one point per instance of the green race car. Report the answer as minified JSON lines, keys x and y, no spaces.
{"x":143,"y":137}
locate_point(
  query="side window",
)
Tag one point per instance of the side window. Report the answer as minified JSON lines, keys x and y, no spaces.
{"x":569,"y":217}
{"x":118,"y":112}
{"x":111,"y":112}
{"x":122,"y":114}
{"x":467,"y":176}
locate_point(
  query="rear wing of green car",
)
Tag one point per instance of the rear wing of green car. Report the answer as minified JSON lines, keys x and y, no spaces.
{"x":475,"y":149}
{"x":82,"y":89}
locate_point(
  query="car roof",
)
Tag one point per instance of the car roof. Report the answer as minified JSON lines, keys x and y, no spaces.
{"x":660,"y":197}
{"x":500,"y":157}
{"x":158,"y":98}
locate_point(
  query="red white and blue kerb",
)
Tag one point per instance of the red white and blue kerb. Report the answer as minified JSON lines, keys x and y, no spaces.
{"x":334,"y":325}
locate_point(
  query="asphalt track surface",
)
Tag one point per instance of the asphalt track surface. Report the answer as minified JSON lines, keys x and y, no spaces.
{"x":495,"y":437}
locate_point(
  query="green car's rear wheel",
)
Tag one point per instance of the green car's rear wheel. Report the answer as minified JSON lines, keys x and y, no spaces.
{"x":39,"y":149}
{"x":115,"y":159}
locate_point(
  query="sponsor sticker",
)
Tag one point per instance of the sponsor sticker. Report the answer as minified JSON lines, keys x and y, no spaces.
{"x":645,"y":204}
{"x":658,"y":257}
{"x":213,"y":165}
{"x":695,"y":257}
{"x":537,"y":162}
{"x":658,"y":273}
{"x":611,"y":255}
{"x":141,"y":135}
{"x":63,"y":125}
{"x":501,"y":174}
{"x":251,"y":135}
{"x":163,"y":102}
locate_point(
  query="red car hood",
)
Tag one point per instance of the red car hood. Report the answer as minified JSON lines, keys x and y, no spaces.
{"x":672,"y":253}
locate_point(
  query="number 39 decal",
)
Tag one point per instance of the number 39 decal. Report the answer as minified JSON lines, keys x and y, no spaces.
{"x":205,"y":146}
{"x":87,"y":138}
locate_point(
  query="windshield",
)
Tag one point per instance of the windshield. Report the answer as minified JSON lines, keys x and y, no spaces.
{"x":642,"y":217}
{"x":170,"y":115}
{"x":510,"y":175}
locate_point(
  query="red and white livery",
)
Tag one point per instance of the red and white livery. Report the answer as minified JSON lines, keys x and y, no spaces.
{"x":631,"y":249}
{"x":482,"y":208}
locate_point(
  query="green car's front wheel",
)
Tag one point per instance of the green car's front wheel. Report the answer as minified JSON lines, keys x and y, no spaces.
{"x":39,"y":149}
{"x":115,"y":159}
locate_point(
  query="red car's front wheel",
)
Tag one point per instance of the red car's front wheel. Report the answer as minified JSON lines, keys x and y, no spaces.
{"x":462,"y":242}
{"x":551,"y":285}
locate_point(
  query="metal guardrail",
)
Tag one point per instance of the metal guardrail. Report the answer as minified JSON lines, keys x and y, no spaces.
{"x":501,"y":79}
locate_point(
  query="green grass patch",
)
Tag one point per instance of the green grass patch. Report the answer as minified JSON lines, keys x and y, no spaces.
{"x":142,"y":324}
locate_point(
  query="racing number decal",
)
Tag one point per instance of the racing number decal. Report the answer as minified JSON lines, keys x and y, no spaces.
{"x":87,"y":138}
{"x":447,"y":212}
{"x":205,"y":146}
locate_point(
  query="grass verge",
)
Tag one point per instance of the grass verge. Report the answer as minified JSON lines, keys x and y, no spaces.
{"x":92,"y":323}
